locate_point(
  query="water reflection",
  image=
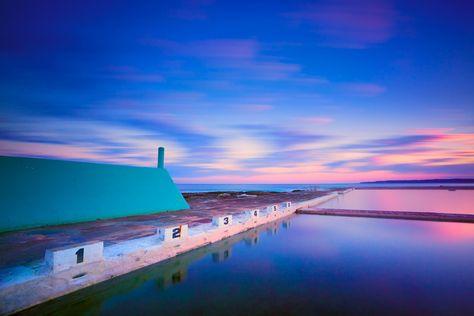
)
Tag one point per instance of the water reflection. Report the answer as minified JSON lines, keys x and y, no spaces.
{"x":322,"y":265}
{"x":459,"y":201}
{"x":165,"y":276}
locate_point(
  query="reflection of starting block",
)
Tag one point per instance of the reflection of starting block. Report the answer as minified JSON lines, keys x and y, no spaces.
{"x":221,"y":255}
{"x":222,"y":221}
{"x":171,"y":278}
{"x":172,"y":233}
{"x":286,"y":224}
{"x":252,"y":239}
{"x":285,"y":206}
{"x":253,"y":214}
{"x":272,"y":230}
{"x":64,"y":258}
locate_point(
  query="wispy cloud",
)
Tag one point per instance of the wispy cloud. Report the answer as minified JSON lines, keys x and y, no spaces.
{"x":191,"y":9}
{"x":363,"y":89}
{"x":255,"y":107}
{"x":221,"y":48}
{"x":132,"y":74}
{"x":350,"y":24}
{"x":243,"y":56}
{"x":318,"y":120}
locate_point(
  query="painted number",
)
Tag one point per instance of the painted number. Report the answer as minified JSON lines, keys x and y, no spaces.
{"x":80,"y":255}
{"x":274,"y":208}
{"x":255,"y":213}
{"x":176,"y":232}
{"x":226,"y":220}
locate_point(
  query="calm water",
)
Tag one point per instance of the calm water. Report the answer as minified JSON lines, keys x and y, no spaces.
{"x":459,"y":201}
{"x":289,"y":187}
{"x":308,"y":265}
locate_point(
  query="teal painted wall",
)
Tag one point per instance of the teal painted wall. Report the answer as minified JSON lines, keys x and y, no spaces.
{"x":36,"y":192}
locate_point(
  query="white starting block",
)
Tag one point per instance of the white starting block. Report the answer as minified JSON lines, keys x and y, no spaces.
{"x":272,"y":210}
{"x":285,"y":206}
{"x":173,"y":233}
{"x":64,"y":258}
{"x":253,"y":214}
{"x":222,"y":221}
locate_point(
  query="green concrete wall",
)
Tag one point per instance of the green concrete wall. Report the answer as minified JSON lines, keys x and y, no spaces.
{"x":36,"y":192}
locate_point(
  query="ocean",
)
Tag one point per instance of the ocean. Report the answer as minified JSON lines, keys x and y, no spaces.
{"x":194,"y":188}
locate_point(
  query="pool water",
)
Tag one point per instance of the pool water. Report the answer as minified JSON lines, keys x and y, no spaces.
{"x":305,"y":265}
{"x":458,"y":201}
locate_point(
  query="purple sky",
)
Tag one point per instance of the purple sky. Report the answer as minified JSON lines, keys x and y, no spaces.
{"x":243,"y":91}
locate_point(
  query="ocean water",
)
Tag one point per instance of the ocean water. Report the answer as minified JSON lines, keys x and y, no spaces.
{"x":458,"y":201}
{"x":305,"y":265}
{"x":193,"y":188}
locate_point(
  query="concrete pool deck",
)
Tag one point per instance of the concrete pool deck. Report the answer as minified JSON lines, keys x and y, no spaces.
{"x":129,"y":243}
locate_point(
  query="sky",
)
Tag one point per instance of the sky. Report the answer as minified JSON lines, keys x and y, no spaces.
{"x":243,"y":91}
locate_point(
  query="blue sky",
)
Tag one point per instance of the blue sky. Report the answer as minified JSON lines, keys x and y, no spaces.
{"x":244,"y":91}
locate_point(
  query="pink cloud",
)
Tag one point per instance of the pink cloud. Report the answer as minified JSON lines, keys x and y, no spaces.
{"x":351,"y":24}
{"x":319,"y":120}
{"x":256,"y":107}
{"x":192,"y":10}
{"x":210,"y":49}
{"x":224,"y":48}
{"x":129,"y":73}
{"x":364,"y":89}
{"x":242,"y":55}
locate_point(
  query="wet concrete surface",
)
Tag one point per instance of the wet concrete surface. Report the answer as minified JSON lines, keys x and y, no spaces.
{"x":27,"y":246}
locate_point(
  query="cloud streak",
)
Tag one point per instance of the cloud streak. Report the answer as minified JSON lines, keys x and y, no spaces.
{"x":350,"y":24}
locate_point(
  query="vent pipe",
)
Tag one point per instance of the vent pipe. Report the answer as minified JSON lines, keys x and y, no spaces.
{"x":161,"y":157}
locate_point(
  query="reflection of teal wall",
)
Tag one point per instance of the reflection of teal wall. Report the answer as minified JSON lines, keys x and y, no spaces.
{"x":36,"y":192}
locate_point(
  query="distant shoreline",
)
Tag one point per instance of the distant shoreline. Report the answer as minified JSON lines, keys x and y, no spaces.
{"x":421,"y":181}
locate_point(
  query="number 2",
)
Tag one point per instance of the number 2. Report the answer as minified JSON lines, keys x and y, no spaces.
{"x":176,"y":232}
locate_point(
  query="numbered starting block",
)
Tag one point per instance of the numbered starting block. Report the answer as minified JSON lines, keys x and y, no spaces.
{"x":272,"y":210}
{"x":173,"y":233}
{"x":285,"y":206}
{"x":253,"y":214}
{"x":64,"y":258}
{"x":222,"y":221}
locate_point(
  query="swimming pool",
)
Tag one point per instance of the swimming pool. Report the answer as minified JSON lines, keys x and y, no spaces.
{"x":304,"y":265}
{"x":458,"y":201}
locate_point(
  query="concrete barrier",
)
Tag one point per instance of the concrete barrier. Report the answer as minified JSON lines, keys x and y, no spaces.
{"x":64,"y":258}
{"x":222,"y":221}
{"x":253,"y":215}
{"x":173,"y":233}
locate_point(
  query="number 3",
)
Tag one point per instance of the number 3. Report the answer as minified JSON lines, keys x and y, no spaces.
{"x":226,"y":220}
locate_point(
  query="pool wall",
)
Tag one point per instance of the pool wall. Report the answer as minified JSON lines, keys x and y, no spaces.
{"x":37,"y":192}
{"x":23,"y":287}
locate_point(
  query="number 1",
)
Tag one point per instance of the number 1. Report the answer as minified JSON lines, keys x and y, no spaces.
{"x":80,"y":255}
